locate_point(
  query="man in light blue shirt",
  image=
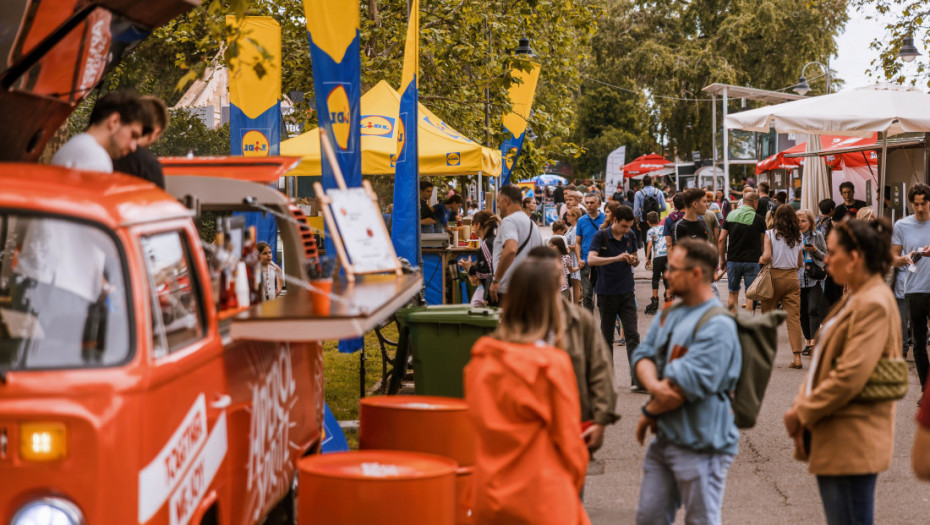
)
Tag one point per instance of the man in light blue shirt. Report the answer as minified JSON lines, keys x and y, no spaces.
{"x":646,"y":200}
{"x":587,"y":226}
{"x":910,"y":245}
{"x":689,"y":376}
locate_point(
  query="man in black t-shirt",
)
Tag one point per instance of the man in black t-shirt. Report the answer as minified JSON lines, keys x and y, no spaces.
{"x":142,"y":162}
{"x":850,"y":206}
{"x":744,"y":229}
{"x":427,"y":217}
{"x":558,"y":196}
{"x":765,"y":201}
{"x":692,"y":225}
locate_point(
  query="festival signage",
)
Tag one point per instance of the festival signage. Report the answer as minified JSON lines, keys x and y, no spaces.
{"x":614,"y":172}
{"x":255,"y":99}
{"x":405,"y":221}
{"x":521,"y":93}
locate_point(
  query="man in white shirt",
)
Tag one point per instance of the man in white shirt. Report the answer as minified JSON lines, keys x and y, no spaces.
{"x":516,"y":236}
{"x":113,"y":131}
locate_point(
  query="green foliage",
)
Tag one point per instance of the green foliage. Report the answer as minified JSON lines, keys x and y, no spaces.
{"x":909,"y":19}
{"x":187,"y":133}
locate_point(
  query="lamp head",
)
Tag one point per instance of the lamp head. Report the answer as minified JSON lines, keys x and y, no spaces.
{"x":802,"y":88}
{"x":524,"y":48}
{"x":908,"y":51}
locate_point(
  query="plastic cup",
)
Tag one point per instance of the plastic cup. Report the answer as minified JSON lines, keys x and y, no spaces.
{"x":320,"y":298}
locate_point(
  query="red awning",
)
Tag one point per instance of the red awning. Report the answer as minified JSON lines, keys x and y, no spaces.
{"x":827,"y":143}
{"x":644,"y":164}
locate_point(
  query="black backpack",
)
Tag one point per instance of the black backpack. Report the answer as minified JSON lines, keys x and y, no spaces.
{"x":650,"y":202}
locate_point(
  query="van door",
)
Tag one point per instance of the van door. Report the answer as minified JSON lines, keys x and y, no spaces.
{"x":184,"y":421}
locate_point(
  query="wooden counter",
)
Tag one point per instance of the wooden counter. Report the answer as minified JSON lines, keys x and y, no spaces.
{"x":291,"y":317}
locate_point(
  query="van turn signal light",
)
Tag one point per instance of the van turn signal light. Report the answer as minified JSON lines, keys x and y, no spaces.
{"x":43,"y":441}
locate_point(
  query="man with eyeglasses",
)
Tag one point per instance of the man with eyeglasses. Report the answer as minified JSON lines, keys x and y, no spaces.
{"x":910,"y":246}
{"x":851,"y":205}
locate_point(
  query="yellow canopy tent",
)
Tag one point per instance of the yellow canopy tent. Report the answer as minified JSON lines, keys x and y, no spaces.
{"x":443,"y":150}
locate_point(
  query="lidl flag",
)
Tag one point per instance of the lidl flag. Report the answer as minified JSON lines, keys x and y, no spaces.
{"x":255,"y":100}
{"x":405,"y":221}
{"x":515,"y":123}
{"x":333,"y":30}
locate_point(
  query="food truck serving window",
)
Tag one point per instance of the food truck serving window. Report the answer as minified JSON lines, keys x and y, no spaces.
{"x":63,"y":297}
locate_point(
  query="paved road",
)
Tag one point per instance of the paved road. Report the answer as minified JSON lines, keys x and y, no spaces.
{"x":765,"y":485}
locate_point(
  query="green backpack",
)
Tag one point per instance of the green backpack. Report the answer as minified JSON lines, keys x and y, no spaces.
{"x":758,"y":341}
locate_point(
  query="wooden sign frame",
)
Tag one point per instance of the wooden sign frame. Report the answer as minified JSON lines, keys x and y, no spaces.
{"x":326,"y":203}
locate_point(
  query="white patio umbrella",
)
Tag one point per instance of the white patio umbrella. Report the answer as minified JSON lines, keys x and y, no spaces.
{"x":886,"y":108}
{"x":815,"y":185}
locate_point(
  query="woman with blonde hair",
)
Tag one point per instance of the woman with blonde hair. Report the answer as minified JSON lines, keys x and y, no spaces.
{"x":846,"y":440}
{"x":810,"y":276}
{"x":523,"y":400}
{"x":781,"y":247}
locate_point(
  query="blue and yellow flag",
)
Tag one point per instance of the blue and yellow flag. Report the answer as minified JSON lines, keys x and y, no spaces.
{"x":333,"y":29}
{"x":515,"y":123}
{"x":255,"y":100}
{"x":405,"y":221}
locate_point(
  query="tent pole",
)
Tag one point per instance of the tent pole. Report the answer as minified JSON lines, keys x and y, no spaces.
{"x":480,"y":195}
{"x":881,"y":183}
{"x":726,"y":147}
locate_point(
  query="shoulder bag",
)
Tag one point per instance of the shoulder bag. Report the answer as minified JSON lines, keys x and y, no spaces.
{"x":762,"y":288}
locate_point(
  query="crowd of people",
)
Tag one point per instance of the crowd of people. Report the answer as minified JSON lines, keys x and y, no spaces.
{"x":856,"y":291}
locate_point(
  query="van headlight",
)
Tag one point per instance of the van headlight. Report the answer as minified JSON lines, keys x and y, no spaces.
{"x":48,"y":511}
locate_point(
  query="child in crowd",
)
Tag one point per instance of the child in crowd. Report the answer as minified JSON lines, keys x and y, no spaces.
{"x":558,"y":244}
{"x":477,"y":299}
{"x":656,"y":255}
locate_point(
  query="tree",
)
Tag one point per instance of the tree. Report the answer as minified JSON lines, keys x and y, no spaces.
{"x":910,"y":16}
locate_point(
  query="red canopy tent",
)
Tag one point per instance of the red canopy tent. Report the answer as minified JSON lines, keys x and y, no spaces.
{"x":644,"y":164}
{"x":827,"y":143}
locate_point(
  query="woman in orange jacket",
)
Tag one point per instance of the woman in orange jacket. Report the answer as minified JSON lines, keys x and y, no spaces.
{"x":523,"y":400}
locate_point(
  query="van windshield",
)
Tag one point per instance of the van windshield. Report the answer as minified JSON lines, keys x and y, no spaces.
{"x":63,"y":297}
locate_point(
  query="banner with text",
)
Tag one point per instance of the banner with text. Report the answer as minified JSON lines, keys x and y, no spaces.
{"x":521,"y":92}
{"x":614,"y":173}
{"x":255,"y":86}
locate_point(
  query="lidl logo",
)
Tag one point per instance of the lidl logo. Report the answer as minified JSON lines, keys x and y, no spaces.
{"x":393,"y":158}
{"x":444,"y":128}
{"x":401,"y":136}
{"x":453,"y":159}
{"x":510,"y":157}
{"x":255,"y":144}
{"x":340,"y":115}
{"x":377,"y":125}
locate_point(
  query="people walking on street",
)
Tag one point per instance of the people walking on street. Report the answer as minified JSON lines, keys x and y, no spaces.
{"x":810,"y":277}
{"x":613,"y":252}
{"x":847,"y":443}
{"x":557,"y":243}
{"x":689,"y":376}
{"x":765,"y":201}
{"x":523,"y":401}
{"x":678,"y":202}
{"x":782,"y":249}
{"x":911,"y":249}
{"x":692,"y":225}
{"x":850,"y":205}
{"x":832,"y":292}
{"x":571,"y":238}
{"x":723,"y":202}
{"x":646,"y":200}
{"x":588,"y":225}
{"x":516,"y":236}
{"x":740,"y":245}
{"x":656,"y":257}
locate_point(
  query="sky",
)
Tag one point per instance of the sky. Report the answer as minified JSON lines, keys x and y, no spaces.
{"x":854,"y":56}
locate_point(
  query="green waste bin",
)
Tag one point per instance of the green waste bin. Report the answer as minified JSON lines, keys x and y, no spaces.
{"x":441,"y":338}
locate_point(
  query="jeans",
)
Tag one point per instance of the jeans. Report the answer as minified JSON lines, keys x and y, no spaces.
{"x":676,"y":476}
{"x":918,"y":304}
{"x":810,"y":310}
{"x":747,"y":271}
{"x":587,"y":288}
{"x":848,"y":500}
{"x":624,"y":305}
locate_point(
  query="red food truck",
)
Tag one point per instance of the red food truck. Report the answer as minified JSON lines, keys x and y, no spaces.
{"x":126,"y":394}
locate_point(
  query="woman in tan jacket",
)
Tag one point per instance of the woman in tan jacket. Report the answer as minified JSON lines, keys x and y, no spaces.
{"x":848,"y":443}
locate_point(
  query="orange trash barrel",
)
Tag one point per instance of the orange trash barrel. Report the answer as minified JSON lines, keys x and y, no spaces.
{"x":435,"y":425}
{"x":377,"y":486}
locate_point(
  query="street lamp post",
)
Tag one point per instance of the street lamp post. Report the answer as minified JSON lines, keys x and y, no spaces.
{"x":803,"y":88}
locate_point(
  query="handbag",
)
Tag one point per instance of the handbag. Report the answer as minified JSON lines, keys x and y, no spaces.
{"x":814,"y":272}
{"x":888,"y":382}
{"x":762,"y":288}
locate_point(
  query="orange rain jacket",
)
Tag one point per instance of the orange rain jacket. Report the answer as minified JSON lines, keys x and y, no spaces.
{"x":531,"y":459}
